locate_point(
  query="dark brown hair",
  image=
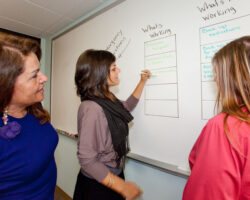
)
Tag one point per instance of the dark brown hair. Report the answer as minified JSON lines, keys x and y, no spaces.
{"x":13,"y":51}
{"x":92,"y":70}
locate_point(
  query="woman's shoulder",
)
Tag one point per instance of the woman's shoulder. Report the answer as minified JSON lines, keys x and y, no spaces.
{"x":233,"y":124}
{"x":89,"y":106}
{"x":33,"y":119}
{"x":217,"y":120}
{"x":30,"y":118}
{"x":214,"y":127}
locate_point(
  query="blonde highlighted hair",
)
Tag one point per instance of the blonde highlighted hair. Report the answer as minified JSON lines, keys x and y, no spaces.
{"x":232,"y":75}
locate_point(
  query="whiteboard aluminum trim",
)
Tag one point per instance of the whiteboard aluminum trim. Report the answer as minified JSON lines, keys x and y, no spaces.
{"x":166,"y":167}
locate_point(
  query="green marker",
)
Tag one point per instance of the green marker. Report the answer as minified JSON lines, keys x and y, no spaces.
{"x":152,"y":75}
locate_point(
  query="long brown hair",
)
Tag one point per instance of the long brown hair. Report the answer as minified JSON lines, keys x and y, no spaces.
{"x":92,"y":70}
{"x":232,"y":75}
{"x":13,"y":51}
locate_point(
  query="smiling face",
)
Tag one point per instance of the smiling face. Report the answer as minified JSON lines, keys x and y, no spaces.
{"x":113,"y":78}
{"x":29,"y":85}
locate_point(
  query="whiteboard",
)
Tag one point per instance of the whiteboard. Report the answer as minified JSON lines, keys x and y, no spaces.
{"x":176,"y":40}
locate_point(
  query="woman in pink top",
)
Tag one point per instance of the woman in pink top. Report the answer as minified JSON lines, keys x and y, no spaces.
{"x":220,"y":158}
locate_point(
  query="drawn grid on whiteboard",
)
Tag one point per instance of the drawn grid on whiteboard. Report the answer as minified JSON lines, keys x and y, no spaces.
{"x":218,"y":36}
{"x":162,"y":88}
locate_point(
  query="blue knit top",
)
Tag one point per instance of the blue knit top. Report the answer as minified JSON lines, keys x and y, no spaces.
{"x":27,"y":163}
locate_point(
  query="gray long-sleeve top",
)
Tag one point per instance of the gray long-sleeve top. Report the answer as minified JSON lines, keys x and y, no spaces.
{"x":95,"y":149}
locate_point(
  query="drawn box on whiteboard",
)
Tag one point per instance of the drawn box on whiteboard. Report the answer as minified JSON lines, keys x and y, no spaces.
{"x":208,"y":51}
{"x":208,"y":109}
{"x":161,"y":92}
{"x":162,"y":76}
{"x":160,"y":61}
{"x":209,"y":92}
{"x":159,"y":46}
{"x":163,"y":108}
{"x":224,"y":31}
{"x":207,"y":72}
{"x":161,"y":100}
{"x":212,"y":38}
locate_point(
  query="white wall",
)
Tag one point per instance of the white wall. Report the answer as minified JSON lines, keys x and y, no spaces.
{"x":67,"y":164}
{"x":46,"y":68}
{"x":156,"y":184}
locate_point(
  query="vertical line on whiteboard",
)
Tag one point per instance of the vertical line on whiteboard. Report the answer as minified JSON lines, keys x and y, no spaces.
{"x":201,"y":76}
{"x":145,"y":84}
{"x":178,"y":114}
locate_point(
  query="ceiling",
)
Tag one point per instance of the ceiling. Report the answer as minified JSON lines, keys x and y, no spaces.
{"x":43,"y":18}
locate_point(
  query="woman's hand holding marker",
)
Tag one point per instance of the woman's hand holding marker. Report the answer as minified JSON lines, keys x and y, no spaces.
{"x":145,"y":75}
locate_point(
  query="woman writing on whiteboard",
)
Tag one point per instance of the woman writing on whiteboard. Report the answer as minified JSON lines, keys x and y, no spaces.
{"x":220,"y":158}
{"x":103,"y":129}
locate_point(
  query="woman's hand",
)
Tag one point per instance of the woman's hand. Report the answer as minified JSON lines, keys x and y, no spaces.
{"x":130,"y":191}
{"x":145,"y":75}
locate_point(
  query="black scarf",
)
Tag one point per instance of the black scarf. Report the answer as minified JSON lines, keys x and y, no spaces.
{"x":118,"y":118}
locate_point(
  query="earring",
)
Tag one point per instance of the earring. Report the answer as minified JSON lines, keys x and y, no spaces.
{"x":5,"y":116}
{"x":9,"y":130}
